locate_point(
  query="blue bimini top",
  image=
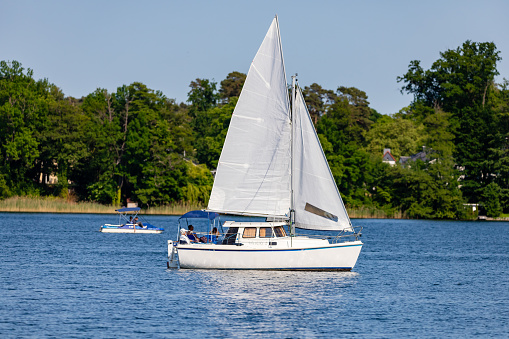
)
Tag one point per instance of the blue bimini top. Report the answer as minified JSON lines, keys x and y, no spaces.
{"x":200,"y":214}
{"x":128,"y":209}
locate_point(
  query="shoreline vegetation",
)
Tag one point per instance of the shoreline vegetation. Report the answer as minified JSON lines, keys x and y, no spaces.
{"x":26,"y":204}
{"x":374,"y":213}
{"x":61,"y":205}
{"x":425,"y":161}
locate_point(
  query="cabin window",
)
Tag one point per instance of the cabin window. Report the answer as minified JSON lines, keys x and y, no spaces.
{"x":231,"y":236}
{"x":249,"y":232}
{"x":265,"y":232}
{"x":280,"y":231}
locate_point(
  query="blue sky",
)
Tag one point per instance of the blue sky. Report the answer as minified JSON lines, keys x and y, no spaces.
{"x":84,"y":45}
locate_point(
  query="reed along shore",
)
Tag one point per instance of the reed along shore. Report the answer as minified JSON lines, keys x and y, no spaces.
{"x":61,"y":205}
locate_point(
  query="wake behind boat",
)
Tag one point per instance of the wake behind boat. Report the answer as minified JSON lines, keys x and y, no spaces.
{"x":272,"y":165}
{"x":128,"y":222}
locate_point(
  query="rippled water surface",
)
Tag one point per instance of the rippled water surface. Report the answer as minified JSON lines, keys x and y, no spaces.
{"x":61,"y":277}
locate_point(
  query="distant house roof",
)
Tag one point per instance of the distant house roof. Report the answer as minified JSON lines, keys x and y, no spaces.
{"x":388,"y":157}
{"x":417,"y":156}
{"x":403,"y":159}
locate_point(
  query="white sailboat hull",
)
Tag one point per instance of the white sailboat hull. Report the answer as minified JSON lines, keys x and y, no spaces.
{"x":337,"y":257}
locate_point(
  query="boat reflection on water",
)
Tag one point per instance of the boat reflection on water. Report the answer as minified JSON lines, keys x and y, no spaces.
{"x":246,"y":300}
{"x":278,"y":284}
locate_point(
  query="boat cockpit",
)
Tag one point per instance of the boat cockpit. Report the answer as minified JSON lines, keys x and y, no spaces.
{"x":238,"y":233}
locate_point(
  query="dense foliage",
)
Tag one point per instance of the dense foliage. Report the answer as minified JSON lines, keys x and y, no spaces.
{"x":460,"y":85}
{"x":136,"y":143}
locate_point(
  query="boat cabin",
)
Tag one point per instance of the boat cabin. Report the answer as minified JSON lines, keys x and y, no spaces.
{"x":245,"y":232}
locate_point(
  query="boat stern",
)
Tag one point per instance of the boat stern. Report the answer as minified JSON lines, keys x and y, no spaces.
{"x":173,"y":258}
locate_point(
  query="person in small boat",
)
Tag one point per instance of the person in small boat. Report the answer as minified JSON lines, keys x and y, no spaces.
{"x":131,"y":219}
{"x":138,"y":223}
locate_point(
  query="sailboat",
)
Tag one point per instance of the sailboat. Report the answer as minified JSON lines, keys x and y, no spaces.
{"x":272,"y":166}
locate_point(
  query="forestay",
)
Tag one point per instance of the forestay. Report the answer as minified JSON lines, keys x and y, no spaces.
{"x":253,"y":174}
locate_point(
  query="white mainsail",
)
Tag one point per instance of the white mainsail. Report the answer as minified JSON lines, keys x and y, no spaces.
{"x":317,"y":202}
{"x":254,"y":171}
{"x":253,"y":174}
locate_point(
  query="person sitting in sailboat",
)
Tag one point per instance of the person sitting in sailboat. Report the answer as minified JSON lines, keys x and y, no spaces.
{"x":191,"y":235}
{"x":183,"y":237}
{"x":213,"y":236}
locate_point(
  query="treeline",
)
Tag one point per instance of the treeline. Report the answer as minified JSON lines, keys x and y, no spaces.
{"x":136,"y":143}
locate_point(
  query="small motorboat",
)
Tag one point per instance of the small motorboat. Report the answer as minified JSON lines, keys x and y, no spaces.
{"x":128,"y":222}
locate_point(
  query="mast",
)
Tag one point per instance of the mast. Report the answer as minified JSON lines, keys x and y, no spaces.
{"x":292,"y":210}
{"x":292,"y":200}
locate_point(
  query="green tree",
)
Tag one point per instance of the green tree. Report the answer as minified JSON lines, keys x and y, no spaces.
{"x":421,"y":191}
{"x":23,"y":107}
{"x":62,"y":143}
{"x":461,"y":78}
{"x":202,"y":96}
{"x":95,"y":175}
{"x":402,"y":136}
{"x":461,"y":83}
{"x":499,"y":153}
{"x":341,"y":131}
{"x":199,"y":183}
{"x":318,"y":100}
{"x":210,"y":129}
{"x":491,"y":200}
{"x":146,"y":166}
{"x":136,"y":140}
{"x":231,"y":86}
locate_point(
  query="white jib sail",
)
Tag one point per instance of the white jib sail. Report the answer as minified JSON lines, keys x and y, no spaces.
{"x":317,"y":202}
{"x":253,"y":173}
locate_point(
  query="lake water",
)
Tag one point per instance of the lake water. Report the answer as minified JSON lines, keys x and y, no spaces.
{"x":60,"y":277}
